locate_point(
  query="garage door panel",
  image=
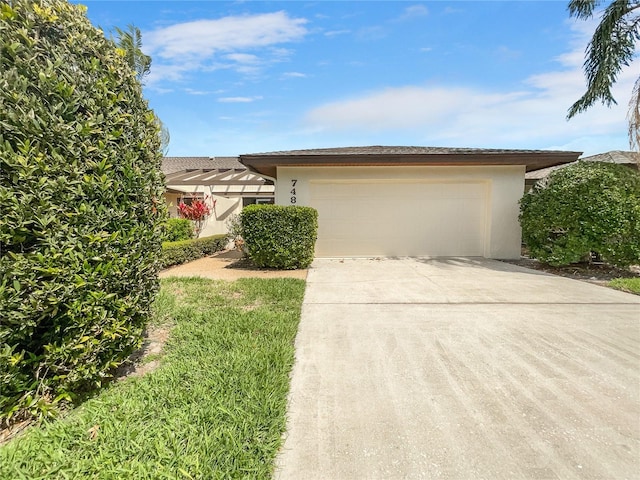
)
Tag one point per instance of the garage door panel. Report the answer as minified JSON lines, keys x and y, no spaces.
{"x":397,"y":218}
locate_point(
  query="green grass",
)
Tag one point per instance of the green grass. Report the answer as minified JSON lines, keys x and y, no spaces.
{"x":215,"y":408}
{"x":631,"y":285}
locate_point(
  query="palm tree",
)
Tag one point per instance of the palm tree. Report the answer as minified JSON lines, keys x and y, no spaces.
{"x":611,"y":48}
{"x":130,"y":41}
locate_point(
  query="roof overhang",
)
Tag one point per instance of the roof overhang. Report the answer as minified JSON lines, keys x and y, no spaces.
{"x":211,"y":177}
{"x":267,"y":163}
{"x":224,"y":182}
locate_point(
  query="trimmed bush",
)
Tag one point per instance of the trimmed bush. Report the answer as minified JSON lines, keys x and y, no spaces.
{"x":81,"y":209}
{"x":175,"y":253}
{"x":178,"y":229}
{"x":280,"y":237}
{"x":584,"y":209}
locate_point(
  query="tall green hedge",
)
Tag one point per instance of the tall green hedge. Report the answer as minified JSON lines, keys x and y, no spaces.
{"x":81,"y":209}
{"x":280,"y":237}
{"x":584,"y":209}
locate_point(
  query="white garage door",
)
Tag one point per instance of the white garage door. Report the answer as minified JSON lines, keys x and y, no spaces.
{"x":391,"y":218}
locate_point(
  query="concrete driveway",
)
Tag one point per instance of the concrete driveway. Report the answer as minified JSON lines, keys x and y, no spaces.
{"x":462,"y":369}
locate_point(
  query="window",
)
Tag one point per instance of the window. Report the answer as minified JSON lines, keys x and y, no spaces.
{"x":256,"y":201}
{"x":190,"y":197}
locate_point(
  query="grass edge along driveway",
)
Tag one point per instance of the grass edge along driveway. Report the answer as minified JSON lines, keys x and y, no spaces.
{"x":215,"y":408}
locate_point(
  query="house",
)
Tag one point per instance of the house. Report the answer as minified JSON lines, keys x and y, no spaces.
{"x":629,"y":159}
{"x":223,"y":182}
{"x":408,"y":201}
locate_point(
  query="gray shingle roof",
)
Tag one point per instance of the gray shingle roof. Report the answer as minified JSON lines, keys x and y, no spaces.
{"x":614,"y":156}
{"x":178,"y":164}
{"x":377,"y":155}
{"x":396,"y":150}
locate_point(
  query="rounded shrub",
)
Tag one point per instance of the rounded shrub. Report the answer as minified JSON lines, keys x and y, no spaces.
{"x":584,"y":209}
{"x":178,"y":229}
{"x":81,"y":209}
{"x":279,"y":237}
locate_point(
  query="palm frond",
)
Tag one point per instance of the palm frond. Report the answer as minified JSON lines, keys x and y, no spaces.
{"x":633,"y":116}
{"x":583,"y":9}
{"x":611,"y":48}
{"x":130,"y":41}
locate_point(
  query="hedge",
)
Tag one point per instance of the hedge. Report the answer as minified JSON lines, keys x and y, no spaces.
{"x":175,"y":253}
{"x":81,"y":209}
{"x":278,"y":236}
{"x":585,"y":209}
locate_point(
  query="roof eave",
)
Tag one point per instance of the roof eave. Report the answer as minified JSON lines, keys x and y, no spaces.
{"x":267,"y":164}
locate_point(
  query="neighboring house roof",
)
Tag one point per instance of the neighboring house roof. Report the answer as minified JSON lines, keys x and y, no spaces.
{"x":265,"y":163}
{"x":614,"y":156}
{"x":178,"y":164}
{"x":223,"y":175}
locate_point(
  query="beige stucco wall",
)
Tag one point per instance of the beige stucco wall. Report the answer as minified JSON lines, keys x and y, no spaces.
{"x":505,"y":185}
{"x":172,"y":202}
{"x":220,"y":213}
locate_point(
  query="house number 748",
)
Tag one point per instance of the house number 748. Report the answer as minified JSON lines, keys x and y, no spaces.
{"x":293,"y":191}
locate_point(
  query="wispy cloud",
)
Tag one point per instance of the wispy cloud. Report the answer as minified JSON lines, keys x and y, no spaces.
{"x":239,"y":99}
{"x":335,"y":33}
{"x":468,"y":115}
{"x":294,"y":75}
{"x":506,"y":54}
{"x":202,"y":38}
{"x":242,"y":58}
{"x":195,"y":45}
{"x":413,"y":11}
{"x":452,"y":11}
{"x":192,"y":91}
{"x":372,"y":33}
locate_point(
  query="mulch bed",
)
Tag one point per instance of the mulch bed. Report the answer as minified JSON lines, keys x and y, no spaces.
{"x":595,"y":272}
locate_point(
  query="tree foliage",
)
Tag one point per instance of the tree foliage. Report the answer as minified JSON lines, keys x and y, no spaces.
{"x":81,"y":210}
{"x":584,"y":209}
{"x":611,"y":48}
{"x":130,"y":42}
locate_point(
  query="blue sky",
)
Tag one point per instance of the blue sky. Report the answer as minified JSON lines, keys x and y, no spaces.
{"x":229,"y":78}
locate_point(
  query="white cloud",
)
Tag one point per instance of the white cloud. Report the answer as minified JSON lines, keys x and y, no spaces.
{"x":239,"y":99}
{"x":335,"y":33}
{"x":191,"y":91}
{"x":203,"y":38}
{"x":242,"y":58}
{"x":184,"y":47}
{"x":414,"y":11}
{"x":294,"y":75}
{"x":470,"y":116}
{"x":372,"y":33}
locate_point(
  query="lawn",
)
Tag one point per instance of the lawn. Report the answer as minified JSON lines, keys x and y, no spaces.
{"x":215,"y":407}
{"x":631,"y":285}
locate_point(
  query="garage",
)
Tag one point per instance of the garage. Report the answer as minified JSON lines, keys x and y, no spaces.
{"x":408,"y":201}
{"x":364,"y":218}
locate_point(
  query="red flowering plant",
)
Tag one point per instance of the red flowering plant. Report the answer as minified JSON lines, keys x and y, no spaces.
{"x":197,"y":211}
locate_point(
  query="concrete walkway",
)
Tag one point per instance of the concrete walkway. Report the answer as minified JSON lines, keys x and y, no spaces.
{"x":462,"y":369}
